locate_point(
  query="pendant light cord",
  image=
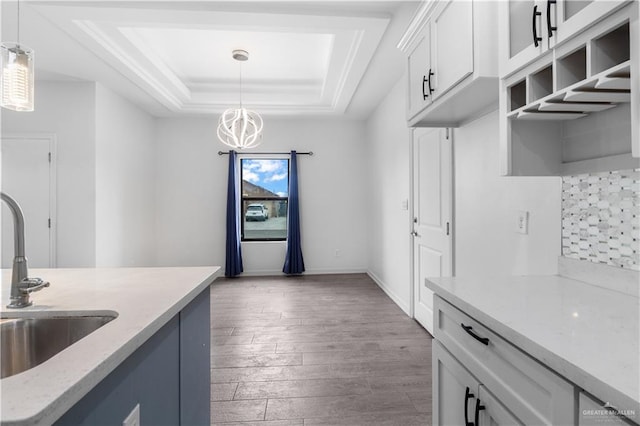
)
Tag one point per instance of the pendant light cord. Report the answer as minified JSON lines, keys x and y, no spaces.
{"x":240,"y":84}
{"x":18,"y":42}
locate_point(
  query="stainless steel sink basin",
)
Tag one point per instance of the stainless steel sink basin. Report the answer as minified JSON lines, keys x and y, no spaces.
{"x":27,"y":342}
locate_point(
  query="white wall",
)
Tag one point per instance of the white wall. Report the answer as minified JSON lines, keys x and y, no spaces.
{"x":388,"y":180}
{"x":125,"y":182}
{"x":68,"y":111}
{"x":191,"y":194}
{"x":486,"y":208}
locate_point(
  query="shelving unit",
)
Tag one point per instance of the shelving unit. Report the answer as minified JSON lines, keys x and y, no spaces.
{"x":588,"y":80}
{"x":597,"y":93}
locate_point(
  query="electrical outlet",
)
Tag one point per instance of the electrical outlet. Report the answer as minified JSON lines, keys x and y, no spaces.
{"x":133,"y":419}
{"x":522,"y":226}
{"x":338,"y":252}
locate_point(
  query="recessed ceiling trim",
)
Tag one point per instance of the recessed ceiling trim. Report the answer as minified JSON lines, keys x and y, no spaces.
{"x":114,"y":34}
{"x":144,"y":78}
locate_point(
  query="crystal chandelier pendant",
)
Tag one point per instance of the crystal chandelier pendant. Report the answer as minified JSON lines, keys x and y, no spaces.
{"x":240,"y":128}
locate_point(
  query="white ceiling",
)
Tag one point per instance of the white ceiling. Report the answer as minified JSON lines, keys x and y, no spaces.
{"x":174,"y":58}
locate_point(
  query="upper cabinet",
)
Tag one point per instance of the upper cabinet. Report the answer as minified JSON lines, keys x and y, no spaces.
{"x":451,"y":62}
{"x":571,"y":104}
{"x":532,"y":27}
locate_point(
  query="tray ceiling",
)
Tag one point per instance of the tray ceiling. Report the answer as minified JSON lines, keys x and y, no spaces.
{"x":302,"y":60}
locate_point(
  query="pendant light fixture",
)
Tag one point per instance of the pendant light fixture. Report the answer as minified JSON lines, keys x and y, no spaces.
{"x":240,"y":128}
{"x":16,"y":85}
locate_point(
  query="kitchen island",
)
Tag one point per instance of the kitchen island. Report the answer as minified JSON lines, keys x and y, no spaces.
{"x":162,"y":316}
{"x":517,"y":335}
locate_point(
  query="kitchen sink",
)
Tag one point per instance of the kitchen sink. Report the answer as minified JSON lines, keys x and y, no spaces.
{"x":27,"y":342}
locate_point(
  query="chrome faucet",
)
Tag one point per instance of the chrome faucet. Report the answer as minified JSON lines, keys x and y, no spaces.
{"x":21,"y":284}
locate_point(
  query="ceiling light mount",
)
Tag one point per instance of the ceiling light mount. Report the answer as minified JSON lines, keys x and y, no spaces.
{"x":240,"y":55}
{"x":240,"y":128}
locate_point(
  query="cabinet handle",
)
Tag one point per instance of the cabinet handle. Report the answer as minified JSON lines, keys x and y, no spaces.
{"x":430,"y":75}
{"x":468,"y":329}
{"x":467,"y":395}
{"x":424,"y":81}
{"x":536,"y":39}
{"x":550,"y":28}
{"x":479,"y":407}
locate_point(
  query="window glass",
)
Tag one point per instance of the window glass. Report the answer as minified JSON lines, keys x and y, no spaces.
{"x":265,"y":198}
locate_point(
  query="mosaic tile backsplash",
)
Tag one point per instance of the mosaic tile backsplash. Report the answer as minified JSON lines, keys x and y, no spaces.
{"x":600,"y":214}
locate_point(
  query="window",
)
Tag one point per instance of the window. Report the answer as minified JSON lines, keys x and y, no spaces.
{"x":265,"y":198}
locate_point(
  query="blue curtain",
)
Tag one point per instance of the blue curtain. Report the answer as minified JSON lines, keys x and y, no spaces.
{"x":233,"y":264}
{"x":293,"y":262}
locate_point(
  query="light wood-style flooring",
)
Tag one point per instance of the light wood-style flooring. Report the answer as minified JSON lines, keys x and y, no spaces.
{"x":315,"y":350}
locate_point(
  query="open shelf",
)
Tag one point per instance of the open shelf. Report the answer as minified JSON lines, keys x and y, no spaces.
{"x":598,"y":93}
{"x":541,"y":83}
{"x":571,"y":68}
{"x":518,"y":95}
{"x":611,"y":49}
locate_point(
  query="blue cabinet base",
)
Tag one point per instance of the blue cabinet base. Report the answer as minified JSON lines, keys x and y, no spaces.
{"x":169,"y":376}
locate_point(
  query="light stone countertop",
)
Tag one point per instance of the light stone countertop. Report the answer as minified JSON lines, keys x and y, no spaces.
{"x":586,"y":333}
{"x":145,"y":299}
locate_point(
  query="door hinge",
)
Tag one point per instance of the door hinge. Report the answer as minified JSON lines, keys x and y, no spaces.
{"x":447,"y":228}
{"x":49,"y":157}
{"x":49,"y":223}
{"x":447,"y":135}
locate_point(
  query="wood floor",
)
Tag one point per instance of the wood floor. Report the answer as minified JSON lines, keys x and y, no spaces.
{"x":315,"y":350}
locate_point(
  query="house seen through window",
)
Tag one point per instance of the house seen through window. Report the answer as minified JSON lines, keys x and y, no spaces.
{"x":265,"y":198}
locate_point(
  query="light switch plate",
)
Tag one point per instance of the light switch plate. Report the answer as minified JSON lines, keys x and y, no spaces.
{"x":522,"y":225}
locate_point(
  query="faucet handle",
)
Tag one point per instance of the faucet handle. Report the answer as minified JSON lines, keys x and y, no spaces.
{"x":33,"y":284}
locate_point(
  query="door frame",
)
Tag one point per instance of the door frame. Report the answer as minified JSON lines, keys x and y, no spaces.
{"x":52,"y":140}
{"x":449,"y":136}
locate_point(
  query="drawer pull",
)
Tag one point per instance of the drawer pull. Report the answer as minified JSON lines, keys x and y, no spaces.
{"x":468,"y":329}
{"x":467,"y":395}
{"x":478,"y":408}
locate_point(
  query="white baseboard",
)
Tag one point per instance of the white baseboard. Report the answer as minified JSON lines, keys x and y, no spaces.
{"x":396,"y":299}
{"x":272,"y":272}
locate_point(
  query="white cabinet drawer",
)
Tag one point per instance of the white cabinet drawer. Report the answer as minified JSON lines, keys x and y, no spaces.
{"x":535,"y":394}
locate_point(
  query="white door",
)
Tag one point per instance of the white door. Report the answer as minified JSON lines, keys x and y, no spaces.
{"x":27,"y":176}
{"x":432,"y":209}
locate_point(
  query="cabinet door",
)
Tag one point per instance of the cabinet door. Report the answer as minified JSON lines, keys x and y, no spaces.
{"x":569,"y":17}
{"x":418,"y":70}
{"x":491,"y":412}
{"x":454,"y":389}
{"x":452,"y":45}
{"x":523,"y":28}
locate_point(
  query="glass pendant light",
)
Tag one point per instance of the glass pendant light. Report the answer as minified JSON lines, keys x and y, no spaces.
{"x":16,"y":85}
{"x":240,"y":128}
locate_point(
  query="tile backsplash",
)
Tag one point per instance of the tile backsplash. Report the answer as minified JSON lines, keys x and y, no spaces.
{"x":600,"y":214}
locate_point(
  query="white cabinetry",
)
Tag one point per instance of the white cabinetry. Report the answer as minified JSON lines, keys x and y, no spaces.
{"x":451,"y":62}
{"x":481,"y":379}
{"x":576,"y":108}
{"x":593,"y":412}
{"x":516,"y":388}
{"x":532,"y":27}
{"x":462,"y":400}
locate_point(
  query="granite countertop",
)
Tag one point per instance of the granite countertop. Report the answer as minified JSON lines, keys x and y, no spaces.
{"x":144,"y":299}
{"x":586,"y":333}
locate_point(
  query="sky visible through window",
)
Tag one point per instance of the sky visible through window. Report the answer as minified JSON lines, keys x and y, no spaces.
{"x":269,"y":174}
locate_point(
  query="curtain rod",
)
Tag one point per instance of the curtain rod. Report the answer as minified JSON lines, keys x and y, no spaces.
{"x":268,"y":153}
